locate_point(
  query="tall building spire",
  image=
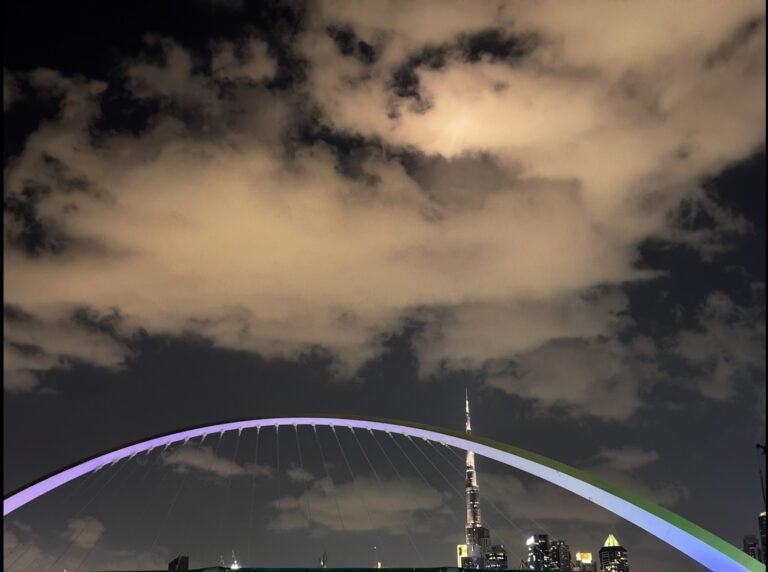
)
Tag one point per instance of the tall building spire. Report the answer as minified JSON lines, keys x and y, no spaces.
{"x":478,"y":537}
{"x":471,"y":487}
{"x":468,"y":425}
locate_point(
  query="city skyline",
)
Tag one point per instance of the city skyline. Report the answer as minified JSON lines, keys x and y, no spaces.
{"x":223,"y":209}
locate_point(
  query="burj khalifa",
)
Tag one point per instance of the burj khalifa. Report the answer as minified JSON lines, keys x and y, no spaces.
{"x":478,"y":537}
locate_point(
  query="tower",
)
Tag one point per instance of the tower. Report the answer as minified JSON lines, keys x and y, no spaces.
{"x":560,"y":555}
{"x":539,"y":553}
{"x":477,"y":536}
{"x":613,"y":556}
{"x":584,"y":562}
{"x":751,"y":546}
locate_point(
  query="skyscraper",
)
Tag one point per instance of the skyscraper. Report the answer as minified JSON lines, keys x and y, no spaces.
{"x":560,"y":556}
{"x":538,"y":553}
{"x":613,"y":556}
{"x":762,"y":525}
{"x":477,"y":536}
{"x":583,"y":562}
{"x":496,"y":558}
{"x":751,"y":547}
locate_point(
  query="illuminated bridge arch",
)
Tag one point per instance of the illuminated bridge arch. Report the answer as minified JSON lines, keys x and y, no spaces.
{"x":697,"y":543}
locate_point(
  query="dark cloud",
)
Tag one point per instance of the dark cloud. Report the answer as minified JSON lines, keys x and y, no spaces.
{"x":405,"y":79}
{"x":496,"y":44}
{"x":349,"y":45}
{"x":730,"y":47}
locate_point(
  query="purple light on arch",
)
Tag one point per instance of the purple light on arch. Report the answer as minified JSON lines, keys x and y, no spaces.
{"x":697,"y":543}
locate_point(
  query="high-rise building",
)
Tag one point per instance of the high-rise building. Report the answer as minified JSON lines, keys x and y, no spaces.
{"x":538,"y":553}
{"x":751,"y":547}
{"x":560,"y":556}
{"x":761,"y":525}
{"x":496,"y":558}
{"x":583,"y":562}
{"x":613,"y":556}
{"x":469,"y":556}
{"x":477,"y":537}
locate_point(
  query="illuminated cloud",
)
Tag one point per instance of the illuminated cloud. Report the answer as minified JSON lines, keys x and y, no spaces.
{"x":205,"y":458}
{"x":627,"y":458}
{"x":33,"y":345}
{"x":299,"y":474}
{"x":84,"y":532}
{"x":728,"y":345}
{"x":23,"y":550}
{"x":503,"y":165}
{"x":397,"y":507}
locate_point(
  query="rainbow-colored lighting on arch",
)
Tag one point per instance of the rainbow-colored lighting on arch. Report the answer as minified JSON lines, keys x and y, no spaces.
{"x":690,"y":539}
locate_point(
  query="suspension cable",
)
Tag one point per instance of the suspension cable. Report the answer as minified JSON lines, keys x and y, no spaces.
{"x":439,"y":472}
{"x":277,"y":461}
{"x":253,"y":495}
{"x":533,"y":520}
{"x":352,"y":474}
{"x":86,"y":480}
{"x":373,"y":469}
{"x":490,"y":501}
{"x":133,"y":470}
{"x":409,"y":459}
{"x":386,"y":456}
{"x":301,"y":464}
{"x":59,"y":504}
{"x":493,"y":529}
{"x":228,"y":495}
{"x":172,"y":505}
{"x":146,"y":507}
{"x":85,"y":506}
{"x":423,"y":478}
{"x":215,"y":455}
{"x":379,"y":480}
{"x":330,"y":480}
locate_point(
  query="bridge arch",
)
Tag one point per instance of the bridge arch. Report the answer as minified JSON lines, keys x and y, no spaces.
{"x":697,"y":543}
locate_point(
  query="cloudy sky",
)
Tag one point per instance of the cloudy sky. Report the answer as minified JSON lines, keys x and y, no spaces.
{"x":221,"y":210}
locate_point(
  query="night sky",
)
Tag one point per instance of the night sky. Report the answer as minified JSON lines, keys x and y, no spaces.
{"x":218,"y":210}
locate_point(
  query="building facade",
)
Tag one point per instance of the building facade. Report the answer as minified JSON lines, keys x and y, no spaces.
{"x":560,"y":556}
{"x":496,"y":558}
{"x":751,"y":546}
{"x":583,"y":562}
{"x":613,"y":556}
{"x":539,"y":556}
